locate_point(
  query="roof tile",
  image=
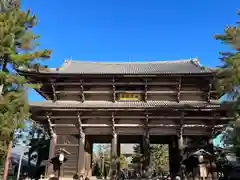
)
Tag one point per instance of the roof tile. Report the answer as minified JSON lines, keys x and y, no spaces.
{"x":122,"y":104}
{"x":156,"y":67}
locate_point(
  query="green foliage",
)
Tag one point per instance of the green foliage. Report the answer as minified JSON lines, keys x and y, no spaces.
{"x":96,"y":170}
{"x":137,"y":156}
{"x":39,"y":143}
{"x":17,"y":44}
{"x":229,"y":79}
{"x":160,"y":157}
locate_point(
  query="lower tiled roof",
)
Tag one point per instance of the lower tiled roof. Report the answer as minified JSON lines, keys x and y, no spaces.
{"x":125,"y":104}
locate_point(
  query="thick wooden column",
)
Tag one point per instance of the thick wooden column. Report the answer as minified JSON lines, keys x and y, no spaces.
{"x":88,"y":157}
{"x":181,"y":147}
{"x":146,"y":145}
{"x":118,"y":153}
{"x":53,"y":142}
{"x":114,"y":144}
{"x":213,"y":159}
{"x":174,"y":157}
{"x":81,"y":149}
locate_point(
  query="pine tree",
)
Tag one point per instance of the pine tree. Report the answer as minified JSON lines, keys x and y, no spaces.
{"x":17,"y":44}
{"x":229,"y":78}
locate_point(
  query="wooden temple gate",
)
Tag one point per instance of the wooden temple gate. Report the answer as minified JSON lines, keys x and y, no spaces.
{"x":155,"y":102}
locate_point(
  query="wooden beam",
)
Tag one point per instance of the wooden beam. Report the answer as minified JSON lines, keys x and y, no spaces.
{"x":82,"y":91}
{"x":146,"y":91}
{"x":139,"y":125}
{"x":109,"y":83}
{"x":142,"y":117}
{"x":123,"y":91}
{"x":179,"y":89}
{"x":193,"y":108}
{"x":113,"y":90}
{"x":54,"y":91}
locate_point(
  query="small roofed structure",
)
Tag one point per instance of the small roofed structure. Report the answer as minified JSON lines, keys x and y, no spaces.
{"x":198,"y":164}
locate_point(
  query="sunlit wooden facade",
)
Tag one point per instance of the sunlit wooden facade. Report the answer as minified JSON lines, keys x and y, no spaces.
{"x":172,"y":102}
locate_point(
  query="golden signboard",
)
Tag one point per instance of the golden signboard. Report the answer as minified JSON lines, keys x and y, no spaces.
{"x":129,"y":97}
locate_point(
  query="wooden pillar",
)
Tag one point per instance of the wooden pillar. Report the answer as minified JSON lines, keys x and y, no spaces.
{"x":174,"y":157}
{"x":181,"y":146}
{"x":146,"y":145}
{"x":213,"y":159}
{"x":52,"y":148}
{"x":81,"y":148}
{"x":118,"y":153}
{"x":114,"y":144}
{"x":81,"y":155}
{"x":88,"y":157}
{"x":146,"y":150}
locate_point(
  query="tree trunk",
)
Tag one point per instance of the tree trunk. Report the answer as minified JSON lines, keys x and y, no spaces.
{"x":6,"y":164}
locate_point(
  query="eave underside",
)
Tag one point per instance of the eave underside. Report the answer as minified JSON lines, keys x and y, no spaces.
{"x":196,"y":118}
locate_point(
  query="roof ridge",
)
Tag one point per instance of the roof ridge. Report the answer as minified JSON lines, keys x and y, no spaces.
{"x":67,"y":62}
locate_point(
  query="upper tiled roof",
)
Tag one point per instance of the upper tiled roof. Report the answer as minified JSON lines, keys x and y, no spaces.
{"x":191,"y":66}
{"x":124,"y":104}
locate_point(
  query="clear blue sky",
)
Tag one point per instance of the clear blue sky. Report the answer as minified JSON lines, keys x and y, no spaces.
{"x":140,"y":30}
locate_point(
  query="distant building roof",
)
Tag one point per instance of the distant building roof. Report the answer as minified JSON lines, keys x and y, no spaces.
{"x":191,"y":66}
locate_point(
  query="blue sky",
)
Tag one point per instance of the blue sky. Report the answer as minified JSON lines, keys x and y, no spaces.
{"x":136,"y":30}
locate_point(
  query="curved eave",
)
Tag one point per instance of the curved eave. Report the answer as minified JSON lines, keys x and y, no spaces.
{"x":128,"y":106}
{"x":57,"y":74}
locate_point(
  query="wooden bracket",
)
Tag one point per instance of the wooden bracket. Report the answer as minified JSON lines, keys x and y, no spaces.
{"x":113,"y":124}
{"x":54,"y":90}
{"x":113,"y":90}
{"x":179,"y":86}
{"x":82,"y":91}
{"x":50,"y":124}
{"x":209,"y":90}
{"x":146,"y":91}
